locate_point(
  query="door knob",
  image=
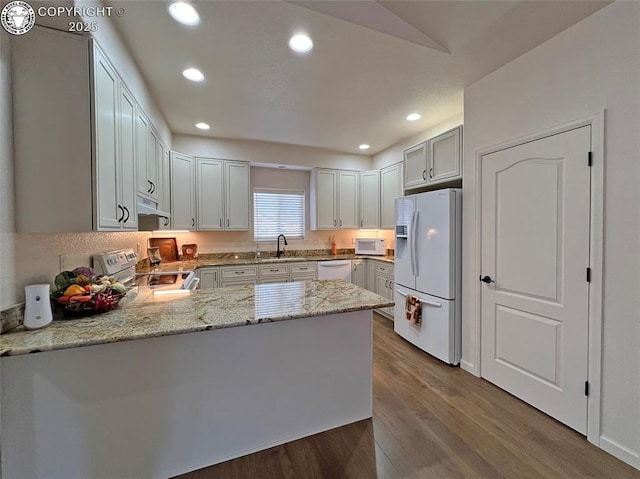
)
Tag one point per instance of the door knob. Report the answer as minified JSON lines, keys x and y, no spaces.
{"x":486,"y":279}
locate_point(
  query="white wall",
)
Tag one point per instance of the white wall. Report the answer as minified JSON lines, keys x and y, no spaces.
{"x":592,"y":66}
{"x":393,"y":154}
{"x":7,"y":220}
{"x":267,"y":152}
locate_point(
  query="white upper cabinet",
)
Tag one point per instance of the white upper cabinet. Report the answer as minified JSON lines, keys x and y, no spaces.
{"x":324,"y":194}
{"x":348,"y":200}
{"x":334,"y":199}
{"x":434,"y":161}
{"x":164,"y":180}
{"x":210,"y":194}
{"x":415,"y":166}
{"x":237,"y":179}
{"x":444,"y":156}
{"x":369,"y":199}
{"x":78,"y":175}
{"x":390,"y":189}
{"x":128,"y":197}
{"x":142,"y":144}
{"x":222,"y":195}
{"x":153,"y":162}
{"x":183,"y":191}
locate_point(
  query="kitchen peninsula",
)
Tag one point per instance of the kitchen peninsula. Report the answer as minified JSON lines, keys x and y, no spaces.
{"x":127,"y":394}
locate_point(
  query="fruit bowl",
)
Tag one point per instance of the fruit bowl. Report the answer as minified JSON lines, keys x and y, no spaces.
{"x":81,"y":293}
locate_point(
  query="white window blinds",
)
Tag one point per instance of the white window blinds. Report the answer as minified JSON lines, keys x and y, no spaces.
{"x":277,"y":211}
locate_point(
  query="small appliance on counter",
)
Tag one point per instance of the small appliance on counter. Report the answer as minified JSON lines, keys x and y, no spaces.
{"x":168,"y":248}
{"x":37,"y":306}
{"x":370,"y":246}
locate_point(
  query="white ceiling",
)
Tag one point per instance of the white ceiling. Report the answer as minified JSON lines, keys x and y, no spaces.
{"x":356,"y":86}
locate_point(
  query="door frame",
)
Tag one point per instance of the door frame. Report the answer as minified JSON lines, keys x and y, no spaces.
{"x":594,"y":361}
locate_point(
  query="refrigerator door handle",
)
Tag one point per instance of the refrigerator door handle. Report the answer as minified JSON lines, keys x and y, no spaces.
{"x":414,"y":243}
{"x":430,"y":303}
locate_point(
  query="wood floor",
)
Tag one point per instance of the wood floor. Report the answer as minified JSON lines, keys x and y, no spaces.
{"x":431,"y":421}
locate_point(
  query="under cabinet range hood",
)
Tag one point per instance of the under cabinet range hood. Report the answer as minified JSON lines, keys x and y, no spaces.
{"x":150,"y":208}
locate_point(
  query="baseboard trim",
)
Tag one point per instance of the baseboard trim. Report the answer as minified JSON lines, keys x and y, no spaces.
{"x":618,"y":450}
{"x":469,"y":367}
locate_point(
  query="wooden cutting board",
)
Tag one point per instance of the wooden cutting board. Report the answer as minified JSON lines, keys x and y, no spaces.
{"x":168,"y":248}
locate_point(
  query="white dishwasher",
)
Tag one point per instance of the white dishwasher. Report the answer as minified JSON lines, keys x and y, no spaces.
{"x":335,"y":269}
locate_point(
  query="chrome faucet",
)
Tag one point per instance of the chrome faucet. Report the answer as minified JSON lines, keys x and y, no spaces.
{"x":279,"y":253}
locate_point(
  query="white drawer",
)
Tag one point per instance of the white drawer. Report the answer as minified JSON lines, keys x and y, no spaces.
{"x":304,"y":277}
{"x":238,"y":282}
{"x":238,"y":272}
{"x":384,"y":268}
{"x":274,"y":270}
{"x":274,"y":279}
{"x":310,"y":267}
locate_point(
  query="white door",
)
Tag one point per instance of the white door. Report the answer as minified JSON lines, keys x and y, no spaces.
{"x":535,"y":247}
{"x":444,"y":157}
{"x":128,"y":194}
{"x":110,"y":211}
{"x":152,"y":161}
{"x":390,"y":189}
{"x":209,"y":198}
{"x":369,"y":199}
{"x":142,"y":125}
{"x":348,"y":200}
{"x":237,"y":195}
{"x":182,"y":191}
{"x":415,"y":166}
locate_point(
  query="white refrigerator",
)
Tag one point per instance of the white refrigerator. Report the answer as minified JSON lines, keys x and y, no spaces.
{"x":428,"y":266}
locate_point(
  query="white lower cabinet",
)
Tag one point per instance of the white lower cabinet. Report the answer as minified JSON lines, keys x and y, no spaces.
{"x":384,"y":284}
{"x":359,"y":272}
{"x":306,"y":271}
{"x":208,"y":277}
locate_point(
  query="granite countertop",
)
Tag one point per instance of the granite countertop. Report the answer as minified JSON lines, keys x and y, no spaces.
{"x":142,"y":315}
{"x":204,"y":261}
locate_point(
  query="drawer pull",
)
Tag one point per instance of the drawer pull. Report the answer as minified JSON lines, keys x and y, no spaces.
{"x":303,"y":269}
{"x":239,"y":272}
{"x":274,"y":270}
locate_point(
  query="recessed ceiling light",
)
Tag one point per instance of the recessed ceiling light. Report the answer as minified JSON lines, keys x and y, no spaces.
{"x":364,"y":146}
{"x":300,"y":43}
{"x":203,"y":126}
{"x":184,"y":13}
{"x":193,"y":74}
{"x":414,"y":116}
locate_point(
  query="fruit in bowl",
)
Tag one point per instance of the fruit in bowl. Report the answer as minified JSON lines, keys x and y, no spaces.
{"x":81,"y":291}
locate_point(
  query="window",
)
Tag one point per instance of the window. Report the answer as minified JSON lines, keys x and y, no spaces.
{"x":277,"y":211}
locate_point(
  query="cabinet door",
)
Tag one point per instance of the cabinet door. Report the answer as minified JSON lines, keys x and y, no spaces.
{"x":444,"y":157}
{"x":359,"y":273}
{"x":390,"y":189}
{"x":153,"y":159}
{"x":348,"y":200}
{"x":237,"y":180}
{"x":127,"y":160}
{"x":164,"y":177}
{"x":415,"y":166}
{"x":182,"y":191}
{"x":142,"y":126}
{"x":382,"y":286}
{"x":369,"y":201}
{"x":110,"y":212}
{"x":371,"y":276}
{"x":209,"y":202}
{"x":325,"y":199}
{"x":208,"y":278}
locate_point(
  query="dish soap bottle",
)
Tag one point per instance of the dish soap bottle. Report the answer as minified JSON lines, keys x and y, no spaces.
{"x":334,"y":247}
{"x":258,"y":251}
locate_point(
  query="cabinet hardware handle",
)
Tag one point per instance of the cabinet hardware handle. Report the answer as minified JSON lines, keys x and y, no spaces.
{"x":193,"y":222}
{"x":239,"y":272}
{"x":303,"y":269}
{"x":220,"y":222}
{"x":361,"y":223}
{"x":274,"y":270}
{"x":227,"y":222}
{"x":334,"y":223}
{"x":430,"y":172}
{"x":390,"y":284}
{"x":128,"y":214}
{"x":166,"y":221}
{"x":386,"y":283}
{"x":121,"y":209}
{"x":341,"y":223}
{"x":153,"y":187}
{"x":424,"y":174}
{"x":149,"y":189}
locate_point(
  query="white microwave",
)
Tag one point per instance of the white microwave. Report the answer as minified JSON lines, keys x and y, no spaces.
{"x":370,"y":246}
